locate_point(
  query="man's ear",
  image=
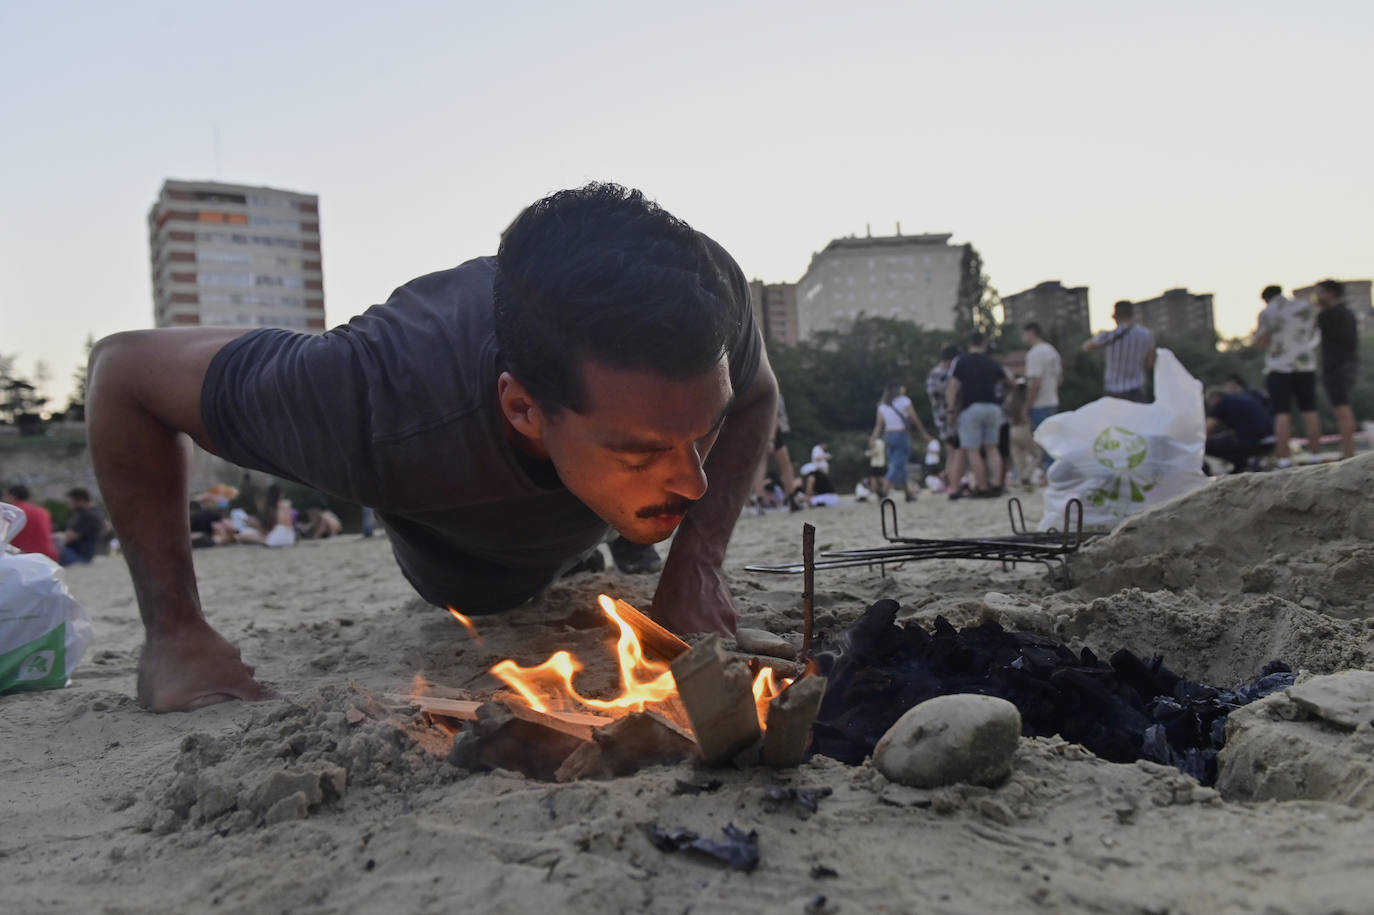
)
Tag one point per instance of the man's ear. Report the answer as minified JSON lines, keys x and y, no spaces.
{"x":520,"y":408}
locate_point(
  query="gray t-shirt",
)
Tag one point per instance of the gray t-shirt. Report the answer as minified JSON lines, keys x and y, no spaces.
{"x":397,"y":410}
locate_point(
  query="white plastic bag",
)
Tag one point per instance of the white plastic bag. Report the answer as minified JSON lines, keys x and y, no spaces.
{"x":1118,"y":457}
{"x":43,"y":630}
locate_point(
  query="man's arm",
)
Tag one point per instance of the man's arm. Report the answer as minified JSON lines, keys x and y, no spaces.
{"x":692,"y":594}
{"x":1091,"y":344}
{"x":1032,"y":391}
{"x":952,"y":394}
{"x":1150,"y":358}
{"x":144,"y":397}
{"x":915,"y":417}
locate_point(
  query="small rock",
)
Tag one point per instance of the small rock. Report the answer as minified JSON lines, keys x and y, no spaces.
{"x":354,"y":716}
{"x":292,"y":807}
{"x":1345,"y":699}
{"x":951,"y":739}
{"x":762,"y":642}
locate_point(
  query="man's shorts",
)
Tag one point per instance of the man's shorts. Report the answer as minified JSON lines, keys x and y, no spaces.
{"x":979,"y":424}
{"x":1339,"y":380}
{"x":1287,"y":387}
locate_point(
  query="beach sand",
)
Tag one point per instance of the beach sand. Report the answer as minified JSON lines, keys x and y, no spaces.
{"x":108,"y":808}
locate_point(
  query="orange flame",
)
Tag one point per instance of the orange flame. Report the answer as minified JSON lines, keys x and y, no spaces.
{"x":642,"y":681}
{"x":467,"y":624}
{"x":766,"y":689}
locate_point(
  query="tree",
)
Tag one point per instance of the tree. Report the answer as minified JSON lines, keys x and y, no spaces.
{"x":76,"y":408}
{"x":978,"y":306}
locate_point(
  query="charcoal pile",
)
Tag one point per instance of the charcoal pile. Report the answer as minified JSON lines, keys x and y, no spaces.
{"x":1123,"y":709}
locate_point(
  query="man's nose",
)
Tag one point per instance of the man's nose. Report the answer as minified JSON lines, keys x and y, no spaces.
{"x":688,"y":476}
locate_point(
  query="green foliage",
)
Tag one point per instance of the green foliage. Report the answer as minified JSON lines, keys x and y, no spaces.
{"x":978,"y":304}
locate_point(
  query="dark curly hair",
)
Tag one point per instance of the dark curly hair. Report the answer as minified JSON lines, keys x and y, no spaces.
{"x":599,"y":272}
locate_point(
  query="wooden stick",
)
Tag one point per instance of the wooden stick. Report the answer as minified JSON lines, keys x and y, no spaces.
{"x":808,"y":588}
{"x":576,"y":724}
{"x":654,"y":637}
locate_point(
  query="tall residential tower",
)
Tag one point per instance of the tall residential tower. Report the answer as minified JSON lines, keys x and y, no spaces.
{"x":230,"y":255}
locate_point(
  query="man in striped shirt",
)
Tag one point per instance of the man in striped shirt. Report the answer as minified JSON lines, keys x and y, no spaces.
{"x":1130,"y":355}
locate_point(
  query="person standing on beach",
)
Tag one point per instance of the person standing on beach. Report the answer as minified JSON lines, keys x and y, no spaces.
{"x":937,"y":389}
{"x":501,"y":417}
{"x":976,"y":387}
{"x":1130,"y":355}
{"x":1044,"y":375}
{"x":1287,"y":333}
{"x":895,"y":420}
{"x":1340,"y":357}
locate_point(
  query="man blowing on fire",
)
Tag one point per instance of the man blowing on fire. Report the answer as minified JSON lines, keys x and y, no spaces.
{"x":499,"y":416}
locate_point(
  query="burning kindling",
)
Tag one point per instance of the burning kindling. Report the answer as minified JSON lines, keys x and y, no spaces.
{"x":672,"y":702}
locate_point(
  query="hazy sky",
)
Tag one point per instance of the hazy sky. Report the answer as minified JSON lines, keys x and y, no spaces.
{"x":1128,"y":147}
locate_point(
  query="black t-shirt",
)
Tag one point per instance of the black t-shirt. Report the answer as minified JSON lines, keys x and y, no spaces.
{"x":1340,"y":336}
{"x":980,"y":379}
{"x":397,"y":410}
{"x":1246,"y":416}
{"x":88,"y":526}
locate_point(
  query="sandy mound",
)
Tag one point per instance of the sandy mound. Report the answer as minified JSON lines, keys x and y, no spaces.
{"x":289,"y":760}
{"x":1302,"y":535}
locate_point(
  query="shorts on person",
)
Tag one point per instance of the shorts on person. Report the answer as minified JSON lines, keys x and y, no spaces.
{"x":1339,"y":380}
{"x":980,"y":425}
{"x":1286,"y":388}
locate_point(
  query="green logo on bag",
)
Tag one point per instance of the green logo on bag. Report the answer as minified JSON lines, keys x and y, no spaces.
{"x":1120,"y":449}
{"x":37,"y":666}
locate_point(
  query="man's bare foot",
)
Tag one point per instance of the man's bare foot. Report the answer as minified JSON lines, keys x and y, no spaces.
{"x":194,"y":667}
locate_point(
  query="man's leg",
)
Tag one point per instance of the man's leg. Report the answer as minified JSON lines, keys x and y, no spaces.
{"x":974,"y":456}
{"x":954,"y":472}
{"x":1312,"y":426}
{"x":1280,"y":401}
{"x":1345,"y":420}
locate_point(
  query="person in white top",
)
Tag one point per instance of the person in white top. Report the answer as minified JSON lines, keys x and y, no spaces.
{"x":895,"y":420}
{"x":1044,"y":375}
{"x":821,"y":457}
{"x":1287,"y":333}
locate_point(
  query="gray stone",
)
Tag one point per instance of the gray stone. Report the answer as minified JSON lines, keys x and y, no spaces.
{"x":760,"y":641}
{"x":1345,"y":699}
{"x":951,"y":739}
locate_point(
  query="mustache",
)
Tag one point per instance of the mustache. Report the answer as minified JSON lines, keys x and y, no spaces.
{"x":677,"y":506}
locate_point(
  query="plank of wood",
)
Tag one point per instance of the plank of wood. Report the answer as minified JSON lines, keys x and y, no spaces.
{"x":654,"y":637}
{"x":576,"y":724}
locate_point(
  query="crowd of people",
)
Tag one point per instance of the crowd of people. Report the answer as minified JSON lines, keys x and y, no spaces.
{"x":985,"y":415}
{"x":75,"y":544}
{"x":1298,"y":339}
{"x":220,"y":517}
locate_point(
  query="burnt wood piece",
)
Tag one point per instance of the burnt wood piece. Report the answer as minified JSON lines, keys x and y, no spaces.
{"x":717,"y":692}
{"x":790,"y":716}
{"x":639,"y":739}
{"x":656,"y":639}
{"x":575,"y":724}
{"x":501,"y":739}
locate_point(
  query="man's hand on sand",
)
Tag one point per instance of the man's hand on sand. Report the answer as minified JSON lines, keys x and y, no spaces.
{"x":194,"y":667}
{"x":693,"y":596}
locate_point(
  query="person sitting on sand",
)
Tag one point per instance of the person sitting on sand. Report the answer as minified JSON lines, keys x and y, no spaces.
{"x":1239,"y":427}
{"x":321,"y":524}
{"x":501,"y":417}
